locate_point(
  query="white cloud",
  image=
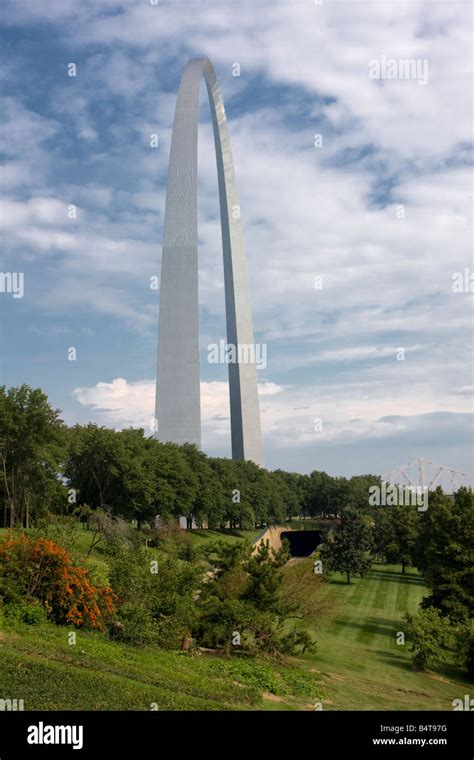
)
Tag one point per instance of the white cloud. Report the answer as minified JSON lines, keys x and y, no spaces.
{"x":290,"y":416}
{"x":123,"y":404}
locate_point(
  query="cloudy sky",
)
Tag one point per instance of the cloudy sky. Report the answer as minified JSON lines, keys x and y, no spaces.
{"x":356,"y":204}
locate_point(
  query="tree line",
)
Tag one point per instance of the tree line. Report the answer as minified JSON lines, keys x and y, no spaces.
{"x":48,"y":467}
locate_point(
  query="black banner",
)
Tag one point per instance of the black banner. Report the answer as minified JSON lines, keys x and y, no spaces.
{"x":135,"y":734}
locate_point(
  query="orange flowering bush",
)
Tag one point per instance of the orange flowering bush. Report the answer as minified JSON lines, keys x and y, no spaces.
{"x":40,"y":569}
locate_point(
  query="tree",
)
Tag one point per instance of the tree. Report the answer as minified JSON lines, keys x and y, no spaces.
{"x":107,"y":528}
{"x":134,"y":477}
{"x":174,"y":482}
{"x":383,"y":533}
{"x":319,"y":492}
{"x":262,"y":494}
{"x":358,"y":490}
{"x":445,"y":553}
{"x":430,"y":635}
{"x":465,"y":648}
{"x":265,"y":577}
{"x":221,"y":608}
{"x":134,"y":487}
{"x":400,"y":548}
{"x":208,"y":499}
{"x":243,"y":603}
{"x":290,"y":486}
{"x":346,"y":548}
{"x":236,"y":493}
{"x":93,"y":464}
{"x":31,"y":446}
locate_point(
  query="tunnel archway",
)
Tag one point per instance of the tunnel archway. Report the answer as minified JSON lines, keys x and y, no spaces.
{"x":302,"y":542}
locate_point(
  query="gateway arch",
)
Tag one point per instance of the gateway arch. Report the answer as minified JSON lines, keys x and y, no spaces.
{"x":178,"y":409}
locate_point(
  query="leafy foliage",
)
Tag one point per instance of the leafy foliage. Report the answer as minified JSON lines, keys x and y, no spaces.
{"x":41,"y":570}
{"x":346,"y":548}
{"x":431,"y":635}
{"x":156,"y":602}
{"x":25,"y":612}
{"x":31,"y":445}
{"x":242,"y":605}
{"x":445,"y":553}
{"x":396,"y":531}
{"x":465,"y":648}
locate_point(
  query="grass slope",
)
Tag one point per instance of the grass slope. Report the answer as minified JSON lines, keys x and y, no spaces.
{"x":359,"y":662}
{"x":38,"y":665}
{"x":202,"y":537}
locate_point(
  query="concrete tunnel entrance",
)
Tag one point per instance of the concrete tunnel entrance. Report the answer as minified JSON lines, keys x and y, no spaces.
{"x":302,"y":542}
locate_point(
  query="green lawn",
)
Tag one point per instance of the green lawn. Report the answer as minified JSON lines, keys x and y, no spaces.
{"x":360,"y":665}
{"x":201,"y":537}
{"x":38,"y":665}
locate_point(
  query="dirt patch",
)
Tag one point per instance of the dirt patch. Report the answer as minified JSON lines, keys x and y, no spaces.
{"x":411,"y":691}
{"x":436,"y":677}
{"x":272,"y":697}
{"x":335,"y":677}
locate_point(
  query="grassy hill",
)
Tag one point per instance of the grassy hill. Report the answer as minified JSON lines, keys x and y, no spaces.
{"x":358,"y":664}
{"x":201,"y":537}
{"x":38,"y":665}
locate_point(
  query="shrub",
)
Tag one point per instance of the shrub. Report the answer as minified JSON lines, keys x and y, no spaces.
{"x":154,"y":607}
{"x":171,"y":539}
{"x":243,"y":605}
{"x":25,"y":612}
{"x":298,"y":641}
{"x":220,"y":619}
{"x":431,"y":635}
{"x":39,"y":569}
{"x":60,"y":529}
{"x":256,"y":673}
